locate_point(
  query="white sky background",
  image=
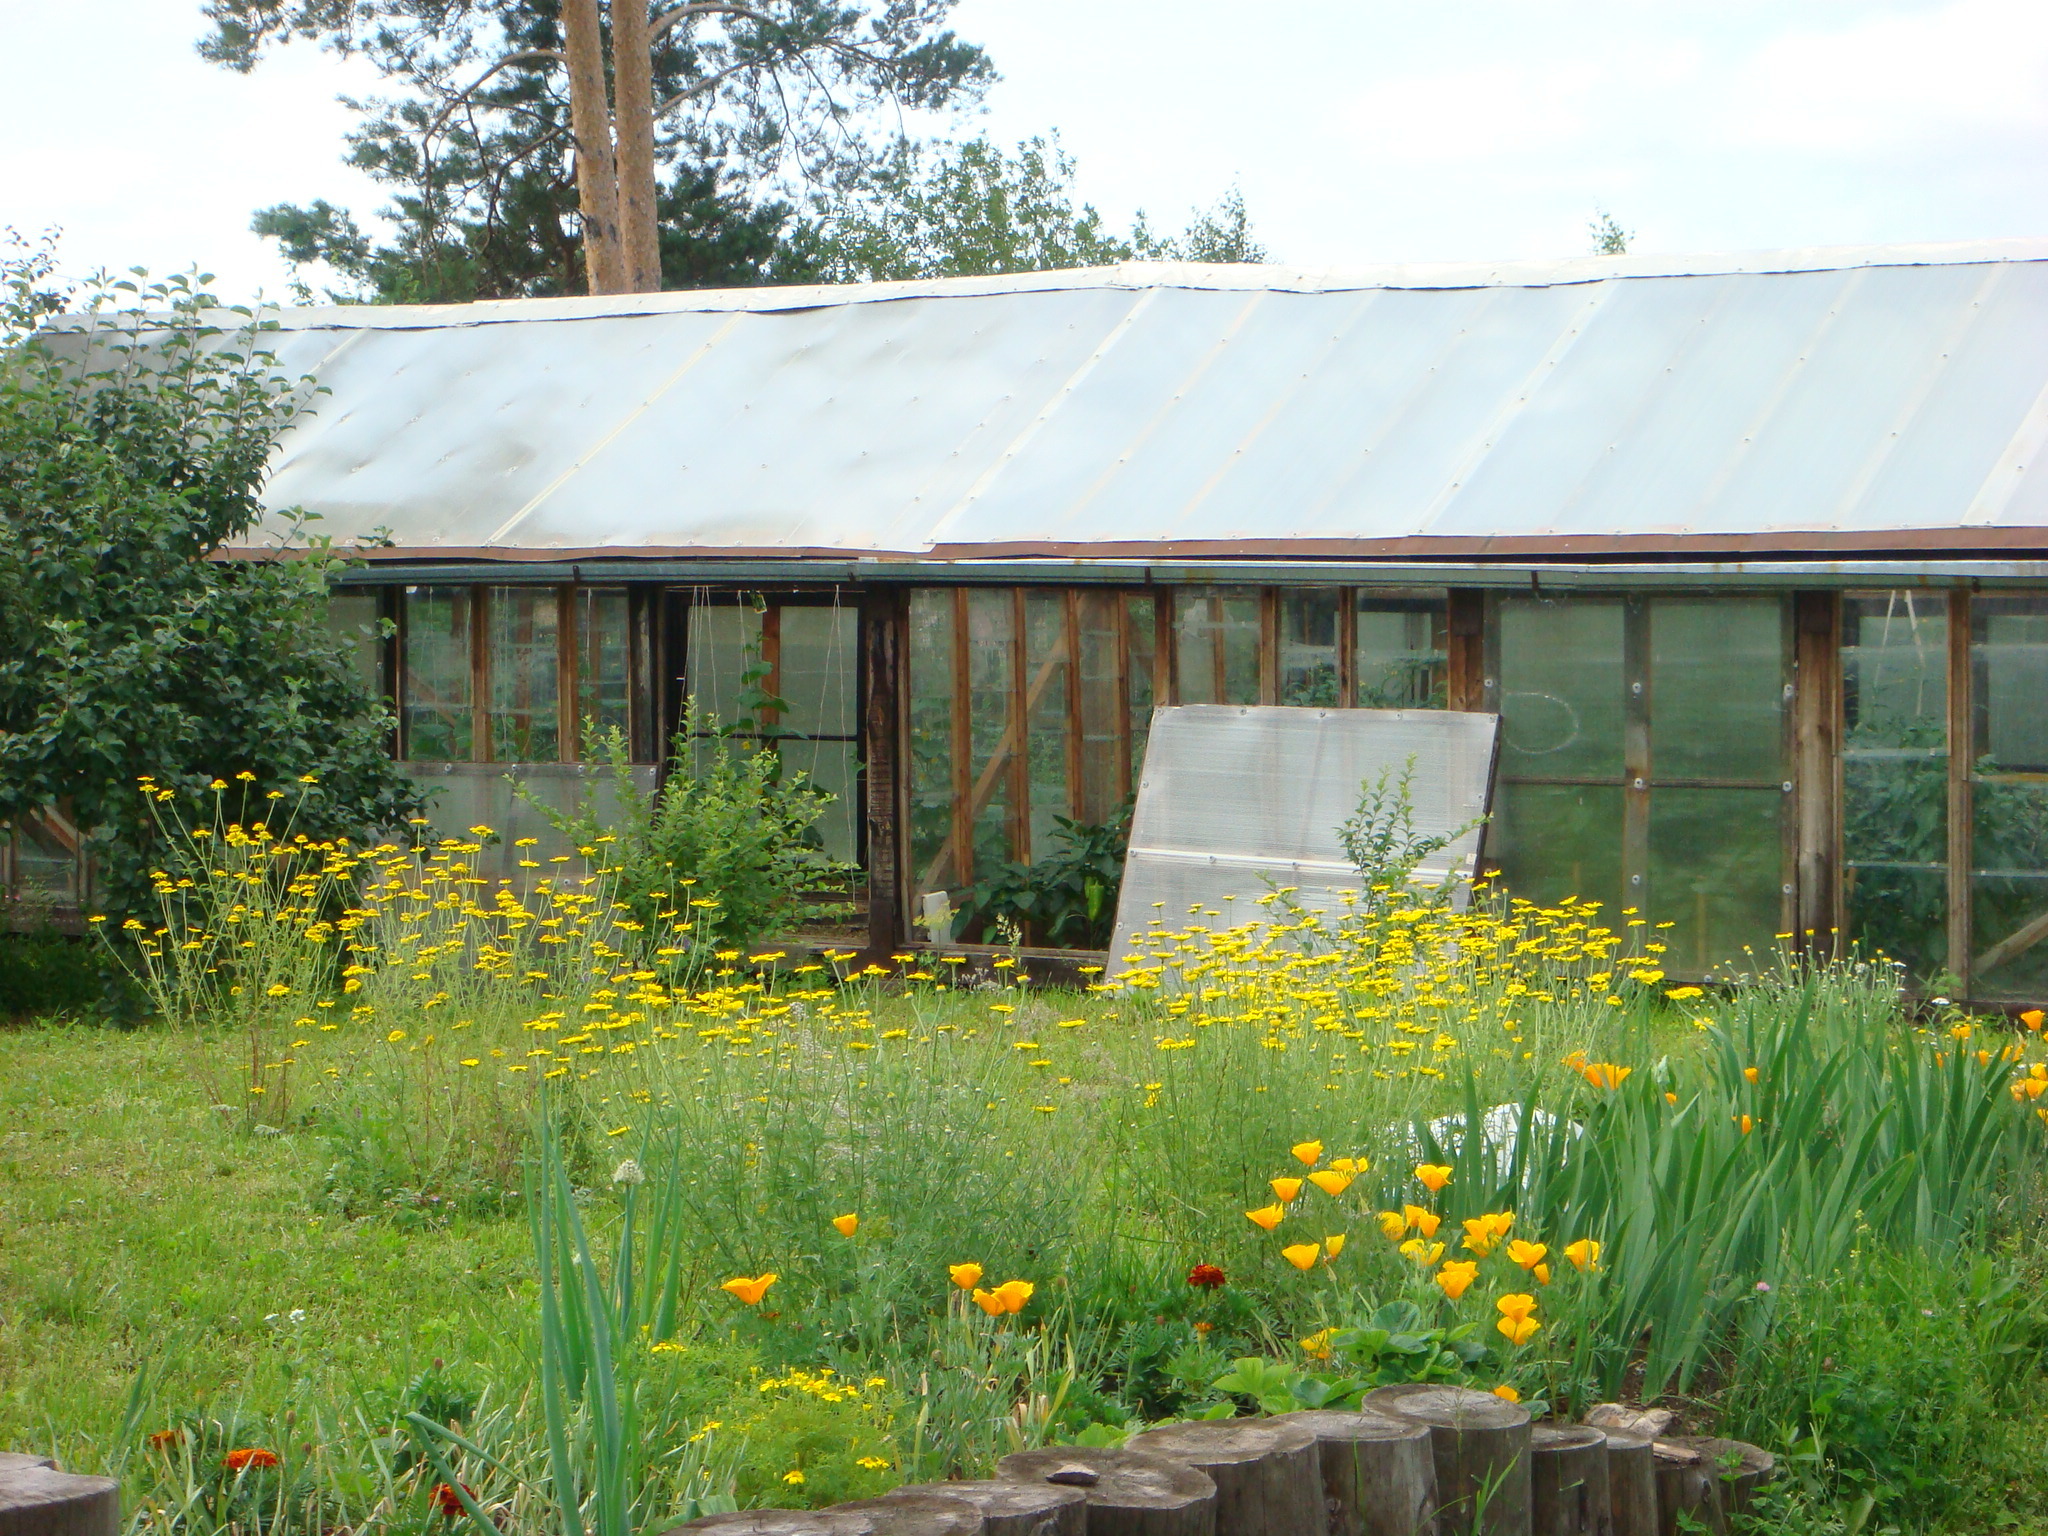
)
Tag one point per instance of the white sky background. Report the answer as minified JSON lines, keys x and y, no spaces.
{"x":1359,"y":130}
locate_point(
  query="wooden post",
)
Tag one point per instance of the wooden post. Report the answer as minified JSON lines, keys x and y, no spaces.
{"x":1631,"y":1484}
{"x":38,"y":1500}
{"x":1688,"y":1493}
{"x":1739,"y":1467}
{"x":914,"y":1514}
{"x":1379,"y":1476}
{"x":1481,"y":1446}
{"x":1465,"y":651}
{"x":1269,"y":1473}
{"x":1568,"y":1485}
{"x":1129,"y":1493}
{"x":1015,"y":1509}
{"x":883,"y":621}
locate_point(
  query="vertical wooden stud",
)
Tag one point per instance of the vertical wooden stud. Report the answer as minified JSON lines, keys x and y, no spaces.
{"x":963,"y":745}
{"x":1019,"y":734}
{"x":1165,"y":653}
{"x":1347,"y":647}
{"x":883,"y":616}
{"x":1078,"y":804}
{"x":1465,"y":649}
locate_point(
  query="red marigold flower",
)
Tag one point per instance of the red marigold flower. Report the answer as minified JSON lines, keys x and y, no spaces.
{"x":249,"y":1456}
{"x":448,"y":1501}
{"x":1208,"y":1276}
{"x":164,"y":1439}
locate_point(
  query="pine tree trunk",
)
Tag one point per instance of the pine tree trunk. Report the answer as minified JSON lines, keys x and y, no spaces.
{"x":590,"y":118}
{"x":633,"y":115}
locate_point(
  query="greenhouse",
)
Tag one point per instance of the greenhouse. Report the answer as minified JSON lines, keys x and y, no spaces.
{"x":1745,"y":552}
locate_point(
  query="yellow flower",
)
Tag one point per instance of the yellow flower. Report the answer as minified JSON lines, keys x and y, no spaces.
{"x":1518,"y":1330}
{"x":1507,"y":1394}
{"x":1749,"y":1074}
{"x":1746,"y":1123}
{"x":846,"y":1224}
{"x":1542,"y":1274}
{"x":1433,"y":1176}
{"x":792,"y":1477}
{"x":1302,"y":1255}
{"x":1456,"y":1277}
{"x":749,"y":1291}
{"x":1317,"y":1345}
{"x":1526,"y":1255}
{"x":1286,"y":1189}
{"x":2034,"y":1018}
{"x":1330,"y":1182}
{"x":1308,"y":1152}
{"x":989,"y":1302}
{"x":1516,"y":1304}
{"x":1334,"y":1244}
{"x":1014,"y":1294}
{"x":1605,"y":1074}
{"x":1421,"y":1252}
{"x":1394,"y":1224}
{"x":966,"y":1276}
{"x":1425,"y":1222}
{"x":1267,"y":1216}
{"x":1483,"y":1233}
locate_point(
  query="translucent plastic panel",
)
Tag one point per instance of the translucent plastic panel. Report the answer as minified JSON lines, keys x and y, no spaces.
{"x":461,"y":796}
{"x":1140,"y":636}
{"x":724,"y":647}
{"x":1047,"y":689}
{"x":992,"y":725}
{"x":1402,"y":657}
{"x":352,"y":618}
{"x":524,"y":657}
{"x":1216,"y":642}
{"x":1561,"y":687}
{"x":1716,"y":863}
{"x":604,"y":641}
{"x":819,"y":656}
{"x":2009,"y":888}
{"x":931,"y":737}
{"x":2009,"y":653}
{"x":1099,"y":679}
{"x":1895,"y":775}
{"x":1234,"y":801}
{"x":833,"y":766}
{"x":1308,"y":645}
{"x":1553,"y":842}
{"x":435,"y":689}
{"x":1717,"y":688}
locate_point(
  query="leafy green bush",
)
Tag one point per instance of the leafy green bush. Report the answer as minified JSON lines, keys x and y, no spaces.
{"x":46,"y":975}
{"x":1067,"y":898}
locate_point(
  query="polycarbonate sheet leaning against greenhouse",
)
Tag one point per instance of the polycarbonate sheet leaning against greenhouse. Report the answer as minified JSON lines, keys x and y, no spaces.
{"x":1237,"y":801}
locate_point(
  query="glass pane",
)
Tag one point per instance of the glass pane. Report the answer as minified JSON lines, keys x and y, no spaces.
{"x":819,"y":654}
{"x":1561,"y":688}
{"x":1556,"y":841}
{"x":1716,"y":864}
{"x":352,"y":618}
{"x":1141,"y":641}
{"x":45,"y":862}
{"x":724,"y":649}
{"x":2009,"y":888}
{"x":604,"y":676}
{"x":1047,"y":680}
{"x":1403,"y":651}
{"x":1308,"y":646}
{"x":931,"y":739}
{"x":1717,"y":688}
{"x":991,"y":631}
{"x":1216,"y":641}
{"x":834,"y":767}
{"x":1097,"y":619}
{"x":1895,"y":776}
{"x":2009,"y":653}
{"x":439,"y":727}
{"x":525,"y":661}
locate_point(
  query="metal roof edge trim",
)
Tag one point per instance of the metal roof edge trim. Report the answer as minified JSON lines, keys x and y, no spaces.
{"x":1137,"y":275}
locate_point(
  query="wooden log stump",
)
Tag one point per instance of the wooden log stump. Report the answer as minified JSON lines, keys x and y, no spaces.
{"x":1481,"y":1447}
{"x":37,"y":1500}
{"x":1568,"y":1481}
{"x":21,"y":1461}
{"x":1631,"y":1484}
{"x":1268,"y":1472}
{"x":1739,"y":1467}
{"x":914,"y":1514}
{"x":1686,"y":1487}
{"x":1015,"y":1509}
{"x":1129,"y":1493}
{"x":1379,"y":1474}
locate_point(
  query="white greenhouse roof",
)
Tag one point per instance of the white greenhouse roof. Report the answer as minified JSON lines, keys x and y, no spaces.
{"x":1891,"y":399}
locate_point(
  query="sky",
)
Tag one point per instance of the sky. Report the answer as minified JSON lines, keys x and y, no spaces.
{"x":1359,"y":131}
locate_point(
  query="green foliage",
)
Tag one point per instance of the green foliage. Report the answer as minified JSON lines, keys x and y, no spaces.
{"x":728,"y":841}
{"x":1067,"y":898}
{"x":1380,"y":837}
{"x":131,"y":451}
{"x":471,"y":133}
{"x":1609,"y":238}
{"x":969,"y":209}
{"x":47,"y":975}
